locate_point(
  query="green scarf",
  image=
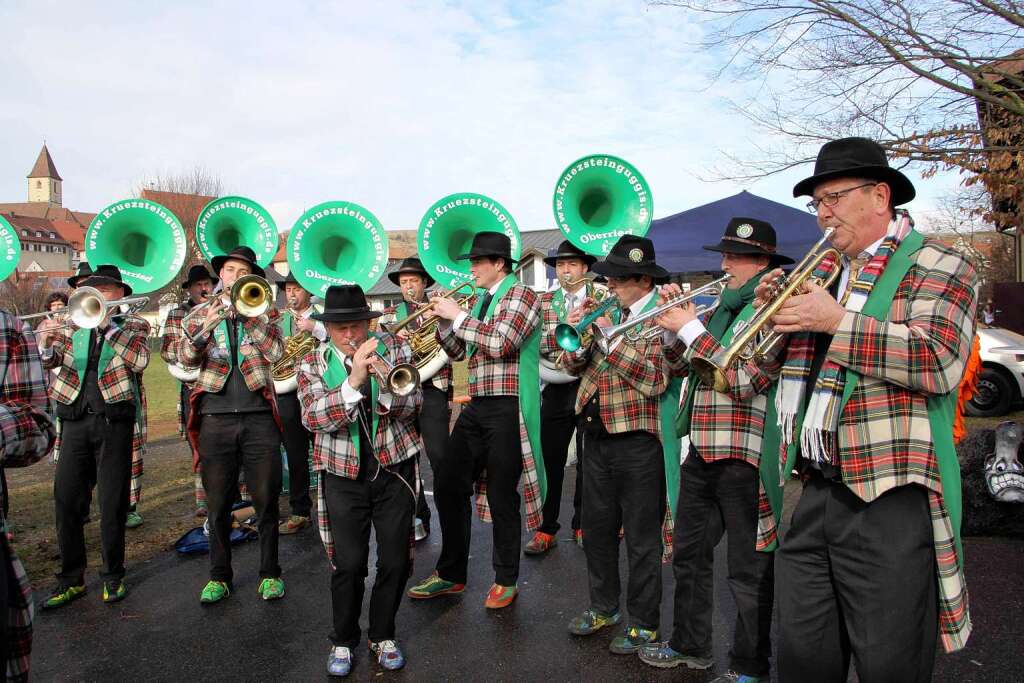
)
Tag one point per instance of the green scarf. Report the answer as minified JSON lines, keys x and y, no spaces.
{"x":286,"y":322}
{"x":941,"y":409}
{"x":529,"y":380}
{"x":733,"y":305}
{"x":221,"y":334}
{"x":336,"y":374}
{"x":80,"y":350}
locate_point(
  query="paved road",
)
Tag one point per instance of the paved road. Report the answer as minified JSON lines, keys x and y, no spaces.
{"x":160,"y":632}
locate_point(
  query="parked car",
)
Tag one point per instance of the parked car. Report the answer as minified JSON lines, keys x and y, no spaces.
{"x":1001,"y":384}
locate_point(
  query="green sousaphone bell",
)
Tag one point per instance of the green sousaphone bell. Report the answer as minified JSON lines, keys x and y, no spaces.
{"x":10,"y":249}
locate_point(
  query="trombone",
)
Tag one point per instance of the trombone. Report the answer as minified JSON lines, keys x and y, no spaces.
{"x":605,"y":335}
{"x":395,"y":327}
{"x":87,"y":309}
{"x":250,"y":297}
{"x":755,"y":340}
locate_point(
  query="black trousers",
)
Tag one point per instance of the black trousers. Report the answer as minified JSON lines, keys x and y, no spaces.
{"x":7,"y":586}
{"x":227,"y":443}
{"x":486,"y":436}
{"x":557,"y":422}
{"x":857,"y":579}
{"x":388,"y":503}
{"x":624,"y":488}
{"x":717,"y":496}
{"x":432,"y":423}
{"x":297,"y":440}
{"x":93,"y":451}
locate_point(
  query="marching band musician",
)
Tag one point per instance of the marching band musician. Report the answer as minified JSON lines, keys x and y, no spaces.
{"x":621,"y":411}
{"x":98,"y":402}
{"x":435,"y":415}
{"x":199,"y":284}
{"x":296,"y":320}
{"x":365,"y":447}
{"x":498,"y":431}
{"x":558,"y":401}
{"x":729,"y":480}
{"x":234,"y":424}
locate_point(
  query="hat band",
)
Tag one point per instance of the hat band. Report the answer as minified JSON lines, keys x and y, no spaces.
{"x":767,"y":247}
{"x":362,"y":309}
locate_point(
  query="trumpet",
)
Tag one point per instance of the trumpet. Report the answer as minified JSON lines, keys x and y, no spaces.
{"x":605,"y":335}
{"x":87,"y":309}
{"x":250,"y":297}
{"x":755,"y":341}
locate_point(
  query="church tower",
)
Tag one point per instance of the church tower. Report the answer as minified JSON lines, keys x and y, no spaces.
{"x":44,"y":181}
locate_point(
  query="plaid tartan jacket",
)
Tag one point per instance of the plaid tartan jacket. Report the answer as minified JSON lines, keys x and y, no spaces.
{"x":549,"y":319}
{"x":729,"y":426}
{"x":443,"y":379}
{"x":169,"y":340}
{"x":26,"y":436}
{"x":494,"y":368}
{"x":630,"y":381}
{"x":262,"y":345}
{"x":131,"y":356}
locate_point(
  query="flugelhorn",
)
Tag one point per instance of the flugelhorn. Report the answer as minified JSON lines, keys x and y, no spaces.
{"x":755,"y":340}
{"x":571,"y":337}
{"x":605,"y":335}
{"x":401,"y":379}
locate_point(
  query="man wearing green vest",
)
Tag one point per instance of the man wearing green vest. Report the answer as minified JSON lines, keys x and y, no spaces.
{"x":626,"y":405}
{"x":97,"y":396}
{"x":296,"y":319}
{"x":871,"y":566}
{"x":498,"y":432}
{"x":721,"y":488}
{"x":435,"y":415}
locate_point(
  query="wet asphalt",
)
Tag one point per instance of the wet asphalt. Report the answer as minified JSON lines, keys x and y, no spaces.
{"x":161,"y":633}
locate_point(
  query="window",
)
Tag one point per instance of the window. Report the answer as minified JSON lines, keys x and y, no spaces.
{"x":24,"y":233}
{"x":39,"y":184}
{"x":526,"y":273}
{"x":39,"y":233}
{"x":53,"y":236}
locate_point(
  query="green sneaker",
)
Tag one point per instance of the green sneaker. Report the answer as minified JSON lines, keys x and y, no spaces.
{"x":134,"y":520}
{"x":592,"y":621}
{"x":114,"y":591}
{"x":631,"y":640}
{"x":214,"y":591}
{"x":63,"y":595}
{"x":433,"y":586}
{"x":271,"y":589}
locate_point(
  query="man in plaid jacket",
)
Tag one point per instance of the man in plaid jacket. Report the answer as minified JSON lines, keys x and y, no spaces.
{"x":720,"y":484}
{"x":435,"y":414}
{"x":558,"y":400}
{"x":619,"y":407}
{"x":871,"y":565}
{"x":490,"y":435}
{"x":365,"y":447}
{"x":98,"y":402}
{"x":233,"y":423}
{"x":26,"y":436}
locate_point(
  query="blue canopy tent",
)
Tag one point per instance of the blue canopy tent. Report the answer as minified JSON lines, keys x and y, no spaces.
{"x":678,"y":239}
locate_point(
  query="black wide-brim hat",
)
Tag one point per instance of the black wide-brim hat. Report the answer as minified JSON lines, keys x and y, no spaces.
{"x":492,"y":244}
{"x":84,"y":271}
{"x":632,"y":255}
{"x":344,"y":304}
{"x":856,"y":158}
{"x":239,"y":254}
{"x":569,"y":250}
{"x":105,"y":275}
{"x":411,"y":266}
{"x":750,"y":236}
{"x":197,"y":273}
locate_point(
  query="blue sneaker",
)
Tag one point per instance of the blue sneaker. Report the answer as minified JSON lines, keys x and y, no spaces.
{"x":339,"y":661}
{"x":388,"y":654}
{"x":663,"y":656}
{"x":733,"y":677}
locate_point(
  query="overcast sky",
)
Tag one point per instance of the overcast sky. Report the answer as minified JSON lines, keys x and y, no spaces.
{"x":390,"y":105}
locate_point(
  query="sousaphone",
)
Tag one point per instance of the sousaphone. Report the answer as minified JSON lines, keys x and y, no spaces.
{"x":229,"y":222}
{"x":10,"y":249}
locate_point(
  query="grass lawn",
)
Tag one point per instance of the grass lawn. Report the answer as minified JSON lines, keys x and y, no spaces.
{"x":161,"y":397}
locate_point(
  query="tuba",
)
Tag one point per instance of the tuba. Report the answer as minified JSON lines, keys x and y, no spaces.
{"x":10,"y":249}
{"x":600,"y":198}
{"x":229,"y":222}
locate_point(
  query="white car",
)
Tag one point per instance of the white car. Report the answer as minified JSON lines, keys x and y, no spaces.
{"x":1001,"y":384}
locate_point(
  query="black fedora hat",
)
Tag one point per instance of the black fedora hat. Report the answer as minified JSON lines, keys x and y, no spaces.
{"x":345,"y":303}
{"x":84,"y":271}
{"x":411,"y":266}
{"x":494,"y":244}
{"x":196,"y":273}
{"x":241,"y":253}
{"x":631,"y":255}
{"x":856,"y":158}
{"x":750,"y":236}
{"x":568,"y":250}
{"x":105,"y":275}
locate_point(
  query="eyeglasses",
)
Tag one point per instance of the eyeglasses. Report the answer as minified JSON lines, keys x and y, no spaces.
{"x":832,"y":198}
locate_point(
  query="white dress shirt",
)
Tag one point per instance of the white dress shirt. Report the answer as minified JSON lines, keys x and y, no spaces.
{"x":353,"y":396}
{"x":635,"y":309}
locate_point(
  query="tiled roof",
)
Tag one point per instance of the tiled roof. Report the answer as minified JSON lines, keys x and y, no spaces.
{"x":44,"y":166}
{"x":34,"y":225}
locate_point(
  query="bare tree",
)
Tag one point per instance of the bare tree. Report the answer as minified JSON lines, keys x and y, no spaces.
{"x":937,"y":82}
{"x":25,"y":293}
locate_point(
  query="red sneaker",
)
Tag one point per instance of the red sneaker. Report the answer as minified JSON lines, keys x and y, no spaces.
{"x":500,"y":596}
{"x":540,"y":543}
